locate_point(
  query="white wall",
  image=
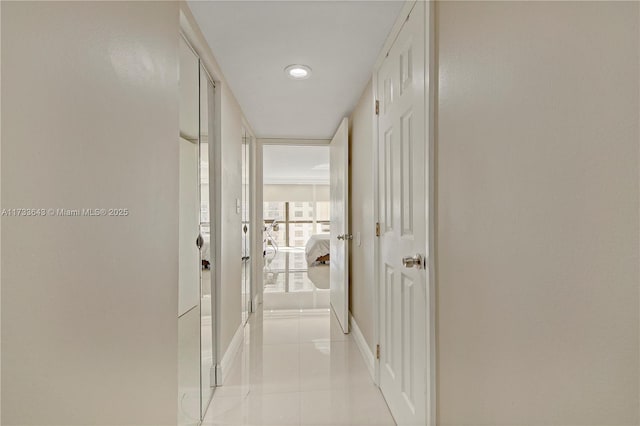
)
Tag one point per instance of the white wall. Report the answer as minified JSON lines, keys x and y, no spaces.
{"x":90,"y":120}
{"x":231,"y":260}
{"x":537,"y":213}
{"x":295,"y":192}
{"x":362,"y":147}
{"x":0,"y":219}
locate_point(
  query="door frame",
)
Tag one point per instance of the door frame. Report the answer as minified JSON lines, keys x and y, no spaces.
{"x":342,"y":317}
{"x":254,"y":251}
{"x":431,"y":87}
{"x":258,"y":201}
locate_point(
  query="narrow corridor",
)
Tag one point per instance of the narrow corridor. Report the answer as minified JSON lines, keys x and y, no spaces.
{"x":296,"y":367}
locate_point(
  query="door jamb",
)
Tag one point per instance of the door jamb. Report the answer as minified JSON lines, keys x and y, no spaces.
{"x":256,"y":249}
{"x":253,"y":275}
{"x":431,"y":96}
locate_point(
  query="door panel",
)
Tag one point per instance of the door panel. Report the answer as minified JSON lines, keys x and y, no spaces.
{"x":402,"y":159}
{"x":339,"y":249}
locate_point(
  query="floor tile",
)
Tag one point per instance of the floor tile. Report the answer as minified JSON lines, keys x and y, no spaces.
{"x":332,"y":365}
{"x":296,"y":367}
{"x":362,"y":406}
{"x":320,"y":325}
{"x":279,"y":330}
{"x":274,"y":409}
{"x":276,"y":370}
{"x":226,"y":410}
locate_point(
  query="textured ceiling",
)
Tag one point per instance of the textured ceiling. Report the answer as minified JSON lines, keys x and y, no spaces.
{"x":254,"y":41}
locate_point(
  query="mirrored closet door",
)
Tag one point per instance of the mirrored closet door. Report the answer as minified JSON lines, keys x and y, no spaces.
{"x":188,"y":231}
{"x":196,"y":283}
{"x":207,"y":370}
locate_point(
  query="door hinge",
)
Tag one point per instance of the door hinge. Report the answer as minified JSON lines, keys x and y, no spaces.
{"x":377,"y":107}
{"x":377,"y":229}
{"x":378,"y":351}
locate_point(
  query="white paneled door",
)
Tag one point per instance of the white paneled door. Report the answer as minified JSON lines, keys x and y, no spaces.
{"x":340,"y":237}
{"x":402,"y":145}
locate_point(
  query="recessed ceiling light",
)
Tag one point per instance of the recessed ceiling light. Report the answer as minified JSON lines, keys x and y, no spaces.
{"x":298,"y":72}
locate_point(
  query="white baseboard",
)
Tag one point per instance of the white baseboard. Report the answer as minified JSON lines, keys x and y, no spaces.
{"x":229,"y":356}
{"x":365,"y":350}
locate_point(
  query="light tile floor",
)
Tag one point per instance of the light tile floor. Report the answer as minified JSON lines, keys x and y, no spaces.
{"x":298,"y":368}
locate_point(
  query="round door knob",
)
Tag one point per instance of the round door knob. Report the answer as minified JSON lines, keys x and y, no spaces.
{"x":413,"y":261}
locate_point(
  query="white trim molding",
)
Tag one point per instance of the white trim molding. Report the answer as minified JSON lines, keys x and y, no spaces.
{"x":229,"y":356}
{"x":431,"y":94}
{"x":362,"y":344}
{"x":294,"y":142}
{"x":395,"y":30}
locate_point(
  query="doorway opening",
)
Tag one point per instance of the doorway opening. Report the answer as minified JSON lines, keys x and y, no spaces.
{"x":296,"y":213}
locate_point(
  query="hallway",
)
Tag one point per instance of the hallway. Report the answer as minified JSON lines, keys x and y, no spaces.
{"x":297,"y":368}
{"x":199,"y":196}
{"x":287,"y":284}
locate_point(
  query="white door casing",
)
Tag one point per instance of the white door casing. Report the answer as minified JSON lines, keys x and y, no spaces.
{"x":339,"y":198}
{"x":402,"y":197}
{"x":246,"y":226}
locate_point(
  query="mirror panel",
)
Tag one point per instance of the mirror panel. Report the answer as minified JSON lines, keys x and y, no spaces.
{"x":188,"y":227}
{"x":207,"y":372}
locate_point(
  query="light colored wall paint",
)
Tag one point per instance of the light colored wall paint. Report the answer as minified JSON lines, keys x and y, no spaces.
{"x":296,"y":164}
{"x":362,"y":145}
{"x":295,"y":192}
{"x":229,"y":188}
{"x":0,"y":218}
{"x":90,"y":119}
{"x":257,"y":261}
{"x":537,"y":213}
{"x":258,"y":225}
